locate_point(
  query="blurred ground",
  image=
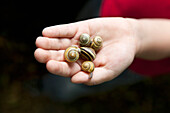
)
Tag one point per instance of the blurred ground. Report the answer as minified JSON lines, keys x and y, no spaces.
{"x":20,"y":74}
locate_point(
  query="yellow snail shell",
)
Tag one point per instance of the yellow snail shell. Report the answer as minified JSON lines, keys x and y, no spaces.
{"x":71,"y":54}
{"x":85,"y":40}
{"x":88,"y":66}
{"x":87,"y":53}
{"x":96,"y":43}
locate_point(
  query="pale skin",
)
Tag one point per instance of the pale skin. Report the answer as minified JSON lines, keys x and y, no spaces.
{"x":123,"y":40}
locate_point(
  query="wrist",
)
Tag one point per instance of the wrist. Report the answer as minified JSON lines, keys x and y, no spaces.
{"x":152,"y":38}
{"x":135,"y":26}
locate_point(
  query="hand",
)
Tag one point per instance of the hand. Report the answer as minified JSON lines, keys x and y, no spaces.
{"x":117,"y":53}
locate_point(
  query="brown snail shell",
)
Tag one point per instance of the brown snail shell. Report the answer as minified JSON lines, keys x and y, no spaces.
{"x":97,"y":43}
{"x":88,"y":66}
{"x":87,"y":53}
{"x":84,"y":40}
{"x":71,"y":54}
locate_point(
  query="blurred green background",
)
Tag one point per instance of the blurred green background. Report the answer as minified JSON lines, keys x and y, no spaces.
{"x":21,"y":22}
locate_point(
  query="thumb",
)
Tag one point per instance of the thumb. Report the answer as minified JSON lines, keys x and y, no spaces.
{"x":100,"y":75}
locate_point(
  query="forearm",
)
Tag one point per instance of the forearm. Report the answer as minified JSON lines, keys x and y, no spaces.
{"x":153,"y":38}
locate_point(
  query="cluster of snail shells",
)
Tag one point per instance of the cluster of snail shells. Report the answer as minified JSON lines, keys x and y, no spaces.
{"x":95,"y":43}
{"x":87,"y":51}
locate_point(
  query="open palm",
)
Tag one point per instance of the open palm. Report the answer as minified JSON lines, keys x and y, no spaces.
{"x":115,"y":56}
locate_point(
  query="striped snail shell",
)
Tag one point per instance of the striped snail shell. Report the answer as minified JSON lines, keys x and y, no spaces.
{"x":88,"y":66}
{"x":96,"y":43}
{"x":71,"y":54}
{"x":87,"y":53}
{"x":85,"y":40}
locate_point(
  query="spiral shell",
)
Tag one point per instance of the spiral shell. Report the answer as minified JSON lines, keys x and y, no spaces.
{"x":87,"y":53}
{"x":85,"y":40}
{"x":71,"y":54}
{"x":96,"y":43}
{"x":88,"y":66}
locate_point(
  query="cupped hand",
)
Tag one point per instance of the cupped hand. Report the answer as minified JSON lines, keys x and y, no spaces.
{"x":117,"y":53}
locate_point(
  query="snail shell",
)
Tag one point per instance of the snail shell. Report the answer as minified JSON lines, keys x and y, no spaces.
{"x":88,"y":66}
{"x":96,"y":43}
{"x":71,"y":54}
{"x":85,"y":40}
{"x":87,"y":53}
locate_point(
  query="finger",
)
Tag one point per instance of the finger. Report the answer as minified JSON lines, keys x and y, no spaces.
{"x":44,"y":56}
{"x":67,"y":30}
{"x":80,"y":77}
{"x":62,"y":68}
{"x":100,"y":75}
{"x":54,"y":43}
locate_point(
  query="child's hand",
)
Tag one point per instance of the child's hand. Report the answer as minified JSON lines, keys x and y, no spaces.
{"x":117,"y":53}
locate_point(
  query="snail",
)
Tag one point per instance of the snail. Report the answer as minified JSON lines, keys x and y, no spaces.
{"x":85,"y":40}
{"x":96,"y":43}
{"x":88,"y":66}
{"x":71,"y":54}
{"x":87,"y":53}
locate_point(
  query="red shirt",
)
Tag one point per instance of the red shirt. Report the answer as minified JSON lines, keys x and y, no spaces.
{"x":140,"y":9}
